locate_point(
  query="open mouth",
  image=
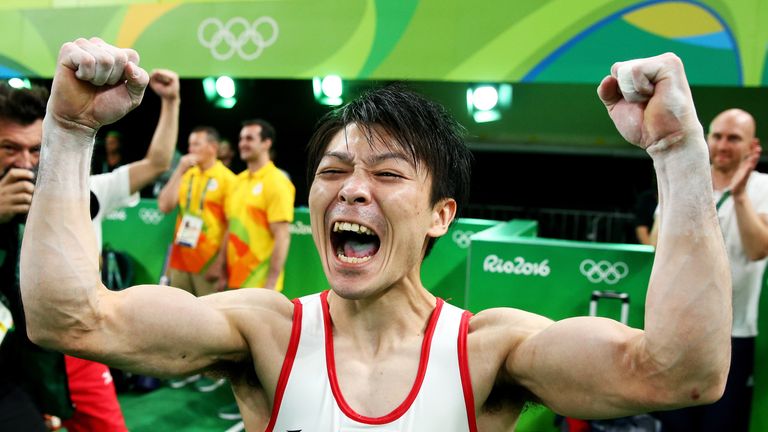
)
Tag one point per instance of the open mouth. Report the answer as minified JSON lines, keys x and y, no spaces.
{"x":354,"y":243}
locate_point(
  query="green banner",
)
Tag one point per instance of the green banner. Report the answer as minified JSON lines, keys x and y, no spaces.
{"x":510,"y":267}
{"x":143,"y":233}
{"x":303,"y":271}
{"x":560,"y":41}
{"x":444,"y":271}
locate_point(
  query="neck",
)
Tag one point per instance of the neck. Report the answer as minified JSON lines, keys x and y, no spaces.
{"x":721,"y":178}
{"x":257,"y":164}
{"x":207,"y":164}
{"x":381,"y":320}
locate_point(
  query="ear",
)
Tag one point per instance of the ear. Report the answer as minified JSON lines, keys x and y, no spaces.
{"x":268,"y":143}
{"x":442,"y":215}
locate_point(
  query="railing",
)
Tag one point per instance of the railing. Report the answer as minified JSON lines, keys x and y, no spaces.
{"x":595,"y":226}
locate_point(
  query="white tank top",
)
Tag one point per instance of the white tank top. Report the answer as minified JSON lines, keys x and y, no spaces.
{"x":308,"y":397}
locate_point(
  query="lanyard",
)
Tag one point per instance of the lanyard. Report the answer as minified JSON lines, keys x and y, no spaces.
{"x":722,"y":199}
{"x":202,"y":194}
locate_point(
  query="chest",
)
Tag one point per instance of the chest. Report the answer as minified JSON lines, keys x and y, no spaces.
{"x":375,"y":386}
{"x":197,"y":190}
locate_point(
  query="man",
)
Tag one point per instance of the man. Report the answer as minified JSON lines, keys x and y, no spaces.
{"x":112,"y":156}
{"x":198,"y":186}
{"x":259,"y":213}
{"x":226,"y":154}
{"x":21,"y":127}
{"x":741,"y":195}
{"x":89,"y":383}
{"x":378,"y":351}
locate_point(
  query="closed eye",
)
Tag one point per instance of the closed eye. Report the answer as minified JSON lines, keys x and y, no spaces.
{"x":329,"y":171}
{"x":389,"y":174}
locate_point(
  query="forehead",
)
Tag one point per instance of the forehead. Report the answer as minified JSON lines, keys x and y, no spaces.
{"x":731,"y":124}
{"x":199,"y":136}
{"x":25,"y":136}
{"x":359,"y":142}
{"x":251,"y":130}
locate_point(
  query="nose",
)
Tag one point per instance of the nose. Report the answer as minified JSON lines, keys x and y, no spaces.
{"x":25,"y":159}
{"x":355,"y":190}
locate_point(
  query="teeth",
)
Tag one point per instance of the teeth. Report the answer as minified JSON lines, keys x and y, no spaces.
{"x":353,"y":260}
{"x":353,"y":227}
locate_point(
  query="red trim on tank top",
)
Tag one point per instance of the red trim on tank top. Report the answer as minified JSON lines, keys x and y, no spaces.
{"x":331,"y":365}
{"x":290,"y":356}
{"x":466,"y":379}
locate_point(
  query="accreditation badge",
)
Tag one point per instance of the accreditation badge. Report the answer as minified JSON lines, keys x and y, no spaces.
{"x":6,"y":321}
{"x":189,"y":231}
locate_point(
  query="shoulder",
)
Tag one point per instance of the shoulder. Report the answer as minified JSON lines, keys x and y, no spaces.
{"x":512,"y":325}
{"x":277,"y":176}
{"x":223,"y":172}
{"x":759,"y":180}
{"x":256,"y":313}
{"x":497,"y":333}
{"x":494,"y":336}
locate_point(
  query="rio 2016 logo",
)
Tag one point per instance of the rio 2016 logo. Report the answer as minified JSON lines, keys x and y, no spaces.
{"x":300,"y":228}
{"x":518,"y":266}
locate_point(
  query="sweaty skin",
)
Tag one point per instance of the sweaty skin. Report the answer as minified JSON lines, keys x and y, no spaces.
{"x":378,"y":307}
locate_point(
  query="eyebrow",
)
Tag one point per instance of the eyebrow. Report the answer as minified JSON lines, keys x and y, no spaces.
{"x":373,"y":160}
{"x":16,"y":144}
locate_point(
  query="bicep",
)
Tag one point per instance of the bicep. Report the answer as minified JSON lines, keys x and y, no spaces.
{"x":164,"y":331}
{"x":584,"y":367}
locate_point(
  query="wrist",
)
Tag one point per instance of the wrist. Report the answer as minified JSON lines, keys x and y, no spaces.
{"x":173,"y":101}
{"x":56,"y":124}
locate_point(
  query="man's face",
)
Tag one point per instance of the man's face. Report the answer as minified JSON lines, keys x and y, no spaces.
{"x":225,"y":150}
{"x":731,"y":136}
{"x":251,"y":145}
{"x":112,"y":144}
{"x":20,"y":145}
{"x":201,"y":147}
{"x":371,"y":214}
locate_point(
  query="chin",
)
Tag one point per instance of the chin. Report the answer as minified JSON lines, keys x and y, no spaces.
{"x":353,"y":291}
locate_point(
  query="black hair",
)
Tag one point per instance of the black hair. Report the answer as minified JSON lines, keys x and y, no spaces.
{"x":213,"y":134}
{"x":267,"y":130}
{"x":23,"y":106}
{"x":422,"y":128}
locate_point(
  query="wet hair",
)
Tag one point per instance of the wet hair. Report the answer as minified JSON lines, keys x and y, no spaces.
{"x":425,"y":130}
{"x":212,"y":133}
{"x":23,"y":106}
{"x":267,"y":130}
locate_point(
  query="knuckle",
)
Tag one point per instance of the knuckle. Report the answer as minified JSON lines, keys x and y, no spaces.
{"x":105,"y":60}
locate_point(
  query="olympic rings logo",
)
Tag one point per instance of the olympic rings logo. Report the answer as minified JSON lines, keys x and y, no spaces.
{"x":151,"y":216}
{"x":238,"y":35}
{"x":461,"y":238}
{"x":603,"y":271}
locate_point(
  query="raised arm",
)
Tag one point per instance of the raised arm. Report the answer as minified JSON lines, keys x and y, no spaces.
{"x":168,"y":198}
{"x":158,"y":158}
{"x":150,"y":329}
{"x":592,"y":367}
{"x":753,"y":226}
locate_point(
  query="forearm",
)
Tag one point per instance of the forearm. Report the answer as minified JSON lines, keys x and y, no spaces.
{"x":277,"y":261}
{"x":688,"y":312}
{"x":166,"y":134}
{"x":169,"y":195}
{"x":60,"y":297}
{"x":160,"y":152}
{"x":753,"y":230}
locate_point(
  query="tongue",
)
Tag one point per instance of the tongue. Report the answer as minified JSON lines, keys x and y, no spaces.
{"x":356,"y":249}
